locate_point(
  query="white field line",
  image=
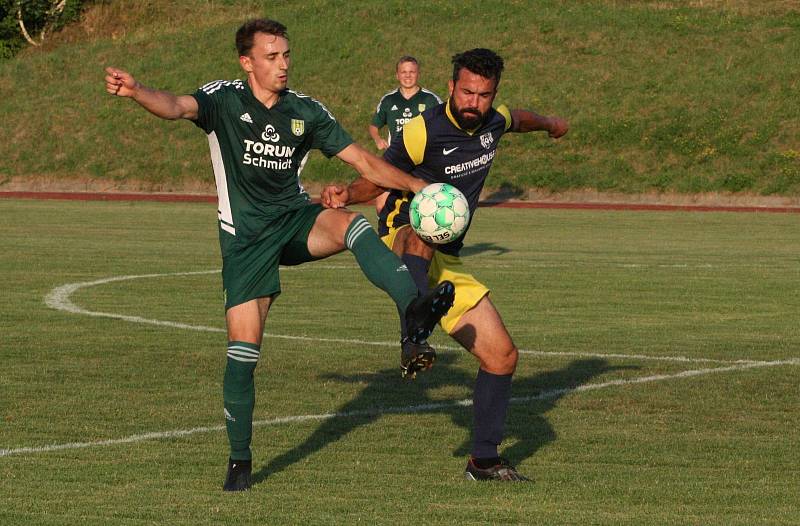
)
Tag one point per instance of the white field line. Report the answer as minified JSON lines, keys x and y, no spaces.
{"x":545,"y":395}
{"x":59,"y":299}
{"x":683,"y":359}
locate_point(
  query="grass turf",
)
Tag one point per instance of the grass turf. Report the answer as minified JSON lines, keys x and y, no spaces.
{"x":662,"y":96}
{"x":642,"y":394}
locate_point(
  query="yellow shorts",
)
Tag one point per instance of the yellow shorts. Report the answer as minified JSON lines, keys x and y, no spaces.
{"x":469,"y":291}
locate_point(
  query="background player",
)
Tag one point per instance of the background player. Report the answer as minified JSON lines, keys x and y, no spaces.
{"x":455,"y":143}
{"x":398,"y":106}
{"x":260,"y":133}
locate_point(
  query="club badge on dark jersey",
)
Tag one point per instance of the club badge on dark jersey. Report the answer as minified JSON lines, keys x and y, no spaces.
{"x":436,"y":149}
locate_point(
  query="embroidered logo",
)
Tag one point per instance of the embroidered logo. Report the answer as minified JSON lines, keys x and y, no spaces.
{"x":246,"y":118}
{"x":487,"y":140}
{"x":446,"y":151}
{"x":298,"y":127}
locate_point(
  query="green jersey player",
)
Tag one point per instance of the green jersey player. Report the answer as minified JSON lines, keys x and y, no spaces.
{"x":260,"y":133}
{"x":400,"y":105}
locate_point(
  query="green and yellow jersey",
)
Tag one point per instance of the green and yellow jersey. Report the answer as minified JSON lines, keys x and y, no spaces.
{"x":435,"y":148}
{"x":258,"y":153}
{"x":395,"y":110}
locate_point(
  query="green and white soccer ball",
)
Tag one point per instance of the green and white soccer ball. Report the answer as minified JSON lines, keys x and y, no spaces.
{"x":439,"y":213}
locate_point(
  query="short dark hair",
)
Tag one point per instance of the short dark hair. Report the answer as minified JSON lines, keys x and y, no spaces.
{"x":406,"y":58}
{"x":483,"y":62}
{"x":245,"y":34}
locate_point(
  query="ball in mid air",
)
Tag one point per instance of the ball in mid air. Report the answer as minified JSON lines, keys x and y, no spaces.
{"x":439,"y":213}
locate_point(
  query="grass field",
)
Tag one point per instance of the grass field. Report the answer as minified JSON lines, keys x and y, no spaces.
{"x":676,"y":96}
{"x":658,"y":382}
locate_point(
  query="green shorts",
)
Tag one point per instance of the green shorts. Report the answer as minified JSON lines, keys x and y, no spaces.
{"x":250,"y":267}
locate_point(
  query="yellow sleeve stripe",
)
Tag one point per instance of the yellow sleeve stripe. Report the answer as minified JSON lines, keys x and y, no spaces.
{"x":415,"y":137}
{"x":503,"y":110}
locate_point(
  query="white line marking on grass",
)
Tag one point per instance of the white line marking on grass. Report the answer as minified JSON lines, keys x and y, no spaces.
{"x":59,"y":299}
{"x":684,"y":359}
{"x":545,"y":395}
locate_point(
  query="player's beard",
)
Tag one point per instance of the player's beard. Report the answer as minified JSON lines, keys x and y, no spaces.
{"x":467,"y":118}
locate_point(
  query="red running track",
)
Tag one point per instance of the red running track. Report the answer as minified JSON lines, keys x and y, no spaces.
{"x":195,"y":198}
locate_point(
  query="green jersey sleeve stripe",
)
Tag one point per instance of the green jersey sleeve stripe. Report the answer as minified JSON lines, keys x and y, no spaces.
{"x":321,"y":105}
{"x":432,"y":94}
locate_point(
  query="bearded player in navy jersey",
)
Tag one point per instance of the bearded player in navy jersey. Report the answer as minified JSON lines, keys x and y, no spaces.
{"x":455,"y":143}
{"x":260,"y":133}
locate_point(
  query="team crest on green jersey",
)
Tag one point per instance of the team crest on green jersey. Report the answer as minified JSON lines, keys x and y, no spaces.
{"x":421,"y":108}
{"x":298,"y":127}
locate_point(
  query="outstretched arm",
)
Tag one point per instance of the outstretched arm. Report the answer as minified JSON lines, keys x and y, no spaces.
{"x":160,"y":103}
{"x":524,"y":121}
{"x":378,"y":171}
{"x":359,"y":191}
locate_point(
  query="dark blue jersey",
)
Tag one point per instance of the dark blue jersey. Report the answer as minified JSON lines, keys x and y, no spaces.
{"x":436,"y":149}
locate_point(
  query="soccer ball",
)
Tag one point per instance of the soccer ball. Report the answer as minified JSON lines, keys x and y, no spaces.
{"x":439,"y":213}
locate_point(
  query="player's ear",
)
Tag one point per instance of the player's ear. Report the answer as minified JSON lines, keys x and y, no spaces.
{"x":450,"y":86}
{"x":244,"y":61}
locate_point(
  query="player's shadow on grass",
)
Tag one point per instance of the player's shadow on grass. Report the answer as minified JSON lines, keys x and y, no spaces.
{"x":506,"y":192}
{"x":385,"y":393}
{"x":482,"y":248}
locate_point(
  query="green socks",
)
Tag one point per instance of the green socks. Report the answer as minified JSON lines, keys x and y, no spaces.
{"x":239,"y":396}
{"x":380,"y":265}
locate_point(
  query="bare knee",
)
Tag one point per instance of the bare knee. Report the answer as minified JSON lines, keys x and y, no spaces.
{"x":499,"y":360}
{"x":246,"y":321}
{"x":328,"y":235}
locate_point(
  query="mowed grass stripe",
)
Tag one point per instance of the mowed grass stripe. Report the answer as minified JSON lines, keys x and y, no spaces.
{"x":392,"y":410}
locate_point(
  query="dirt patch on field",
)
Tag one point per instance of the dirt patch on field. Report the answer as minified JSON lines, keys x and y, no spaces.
{"x":46,"y":184}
